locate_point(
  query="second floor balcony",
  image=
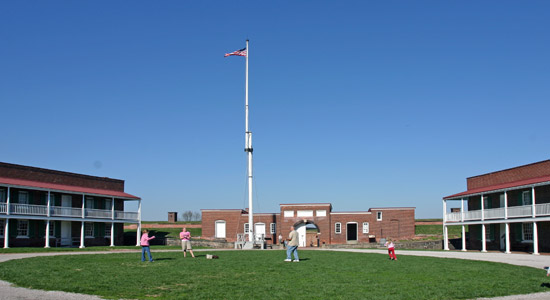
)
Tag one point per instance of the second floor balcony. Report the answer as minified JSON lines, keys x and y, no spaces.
{"x":501,"y":213}
{"x":66,"y":212}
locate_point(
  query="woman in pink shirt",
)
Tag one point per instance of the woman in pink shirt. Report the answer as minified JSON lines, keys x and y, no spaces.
{"x":145,"y":245}
{"x":391,"y":249}
{"x":185,"y":237}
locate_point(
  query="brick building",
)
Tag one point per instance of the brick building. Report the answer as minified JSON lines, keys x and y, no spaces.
{"x":507,"y":210}
{"x":316,"y":224}
{"x":41,"y":207}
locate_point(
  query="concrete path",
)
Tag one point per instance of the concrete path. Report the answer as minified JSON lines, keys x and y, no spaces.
{"x":7,"y":291}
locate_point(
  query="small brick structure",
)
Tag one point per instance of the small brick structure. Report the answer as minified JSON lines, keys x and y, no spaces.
{"x":172,"y":217}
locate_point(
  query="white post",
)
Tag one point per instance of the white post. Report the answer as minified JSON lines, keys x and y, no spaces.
{"x":535,"y":239}
{"x":248,"y":149}
{"x":82,"y":235}
{"x":507,"y":238}
{"x":138,"y":232}
{"x":482,"y":208}
{"x":113,"y":223}
{"x":445,"y":236}
{"x":463,"y":238}
{"x":48,"y":223}
{"x":7,"y":225}
{"x":534,"y":208}
{"x":462,"y":209}
{"x":483,"y":239}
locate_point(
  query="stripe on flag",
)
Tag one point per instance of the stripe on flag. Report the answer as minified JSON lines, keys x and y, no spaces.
{"x":241,"y":52}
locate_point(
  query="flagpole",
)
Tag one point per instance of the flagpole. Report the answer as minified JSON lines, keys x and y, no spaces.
{"x":248,"y":149}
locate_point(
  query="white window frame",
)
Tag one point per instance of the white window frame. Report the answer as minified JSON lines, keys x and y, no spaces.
{"x":216,"y":228}
{"x":378,"y":216}
{"x":2,"y":227}
{"x":246,"y":228}
{"x":288,"y":213}
{"x":527,"y":232}
{"x":52,"y":229}
{"x":22,"y":229}
{"x":20,"y":197}
{"x":337,"y":228}
{"x":321,"y":213}
{"x":89,"y":229}
{"x":108,"y":230}
{"x":304,"y":213}
{"x":273,"y":228}
{"x":366,"y":227}
{"x":523,"y":197}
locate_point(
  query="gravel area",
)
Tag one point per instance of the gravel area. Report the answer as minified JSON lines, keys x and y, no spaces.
{"x":7,"y":291}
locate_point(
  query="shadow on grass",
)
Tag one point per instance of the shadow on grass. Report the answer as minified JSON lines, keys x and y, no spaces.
{"x":545,"y":284}
{"x":163,"y":259}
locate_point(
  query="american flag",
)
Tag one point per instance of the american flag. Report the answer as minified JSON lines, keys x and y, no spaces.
{"x":241,"y":52}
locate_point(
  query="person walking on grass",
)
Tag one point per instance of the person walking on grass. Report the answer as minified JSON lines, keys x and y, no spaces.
{"x":185,"y":237}
{"x":391,"y":249}
{"x":145,"y":245}
{"x":292,"y":245}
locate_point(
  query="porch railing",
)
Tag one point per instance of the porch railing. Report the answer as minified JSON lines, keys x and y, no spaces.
{"x":69,"y":212}
{"x":499,"y":213}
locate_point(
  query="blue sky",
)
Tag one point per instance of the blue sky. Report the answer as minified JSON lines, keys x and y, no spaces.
{"x":357,"y":103}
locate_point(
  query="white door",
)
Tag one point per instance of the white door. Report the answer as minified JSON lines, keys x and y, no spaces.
{"x":220,"y":230}
{"x":301,"y":235}
{"x":259,"y":230}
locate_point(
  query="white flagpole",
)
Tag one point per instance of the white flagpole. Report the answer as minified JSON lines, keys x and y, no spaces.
{"x":248,"y":149}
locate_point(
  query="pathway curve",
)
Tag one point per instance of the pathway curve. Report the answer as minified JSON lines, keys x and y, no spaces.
{"x":9,"y":292}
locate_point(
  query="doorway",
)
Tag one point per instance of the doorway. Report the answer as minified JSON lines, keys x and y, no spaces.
{"x":351,"y":232}
{"x":259,"y":231}
{"x":66,"y":234}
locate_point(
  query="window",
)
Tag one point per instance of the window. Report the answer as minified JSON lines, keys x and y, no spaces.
{"x":527,"y":232}
{"x":489,"y":230}
{"x":23,"y":197}
{"x":304,"y":213}
{"x":289,"y":213}
{"x":365,"y":227}
{"x":338,"y":228}
{"x":2,"y":196}
{"x":2,"y":227}
{"x":321,"y":213}
{"x":379,"y":216}
{"x":246,"y":228}
{"x":89,"y":203}
{"x":52,"y":229}
{"x":273,"y":228}
{"x":89,"y":229}
{"x":486,"y":202}
{"x":526,"y":198}
{"x":107,"y":229}
{"x":108,"y":204}
{"x":22,"y":228}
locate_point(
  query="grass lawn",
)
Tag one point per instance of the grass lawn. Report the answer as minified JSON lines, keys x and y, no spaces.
{"x":264,"y":275}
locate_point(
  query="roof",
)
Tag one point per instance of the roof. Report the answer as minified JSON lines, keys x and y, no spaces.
{"x":65,"y":188}
{"x":503,"y":186}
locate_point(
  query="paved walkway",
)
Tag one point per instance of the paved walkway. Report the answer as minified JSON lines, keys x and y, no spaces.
{"x":536,"y":261}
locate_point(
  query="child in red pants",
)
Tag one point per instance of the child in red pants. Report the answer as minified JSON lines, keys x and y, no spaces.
{"x":391,"y":249}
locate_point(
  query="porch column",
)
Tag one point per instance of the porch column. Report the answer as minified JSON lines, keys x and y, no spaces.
{"x":462,"y":209}
{"x":113,"y":223}
{"x":482,"y":208}
{"x":48,"y":223}
{"x":533,"y":204}
{"x":81,"y":235}
{"x":483,"y":239}
{"x":506,"y":205}
{"x":7,"y":225}
{"x":507,"y":237}
{"x":535,"y":239}
{"x":463,"y":238}
{"x":445,"y":235}
{"x":138,"y":232}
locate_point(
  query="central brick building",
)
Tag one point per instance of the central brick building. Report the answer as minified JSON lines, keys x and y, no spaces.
{"x":316,"y":224}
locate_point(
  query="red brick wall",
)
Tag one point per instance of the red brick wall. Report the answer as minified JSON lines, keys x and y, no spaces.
{"x":59,"y":177}
{"x":534,"y":170}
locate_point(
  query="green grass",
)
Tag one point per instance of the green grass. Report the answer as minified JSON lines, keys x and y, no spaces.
{"x":264,"y":275}
{"x":454,"y":231}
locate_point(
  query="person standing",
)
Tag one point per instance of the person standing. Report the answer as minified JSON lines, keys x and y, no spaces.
{"x":292,"y":245}
{"x":145,"y":245}
{"x":185,"y":237}
{"x":391,"y":249}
